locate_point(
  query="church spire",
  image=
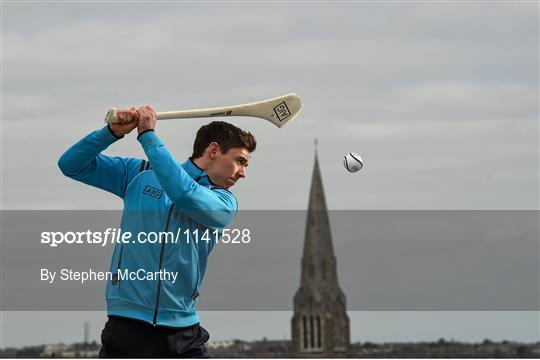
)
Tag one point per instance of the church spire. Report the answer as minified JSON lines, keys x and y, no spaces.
{"x":320,"y":325}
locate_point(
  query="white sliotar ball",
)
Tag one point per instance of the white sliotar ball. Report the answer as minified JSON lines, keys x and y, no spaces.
{"x":353,"y":162}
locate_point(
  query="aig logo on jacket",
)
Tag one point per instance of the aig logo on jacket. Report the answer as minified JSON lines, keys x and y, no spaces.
{"x":152,"y":191}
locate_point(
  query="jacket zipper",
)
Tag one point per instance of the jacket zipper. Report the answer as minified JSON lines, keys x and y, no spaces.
{"x":195,"y":293}
{"x":116,"y":280}
{"x":160,"y":264}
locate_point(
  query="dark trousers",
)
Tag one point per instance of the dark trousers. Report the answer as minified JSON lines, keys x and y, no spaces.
{"x":123,"y":337}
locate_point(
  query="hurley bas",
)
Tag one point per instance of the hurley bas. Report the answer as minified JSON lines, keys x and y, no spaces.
{"x":120,"y":275}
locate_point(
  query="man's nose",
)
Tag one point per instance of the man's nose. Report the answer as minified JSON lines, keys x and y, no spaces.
{"x":242,"y":172}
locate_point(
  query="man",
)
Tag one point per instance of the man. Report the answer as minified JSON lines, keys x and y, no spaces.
{"x":158,"y":318}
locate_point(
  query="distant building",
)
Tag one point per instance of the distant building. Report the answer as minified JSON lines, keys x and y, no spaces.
{"x":53,"y":350}
{"x":76,"y":350}
{"x":320,"y":325}
{"x":220,"y":343}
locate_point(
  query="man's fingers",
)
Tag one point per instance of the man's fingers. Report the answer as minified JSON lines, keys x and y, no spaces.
{"x":128,"y":116}
{"x":121,"y":115}
{"x":149,"y":107}
{"x":140,"y":113}
{"x":144,"y":112}
{"x":133,"y":114}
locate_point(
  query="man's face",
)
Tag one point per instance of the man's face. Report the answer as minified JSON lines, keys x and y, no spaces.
{"x":228,"y":168}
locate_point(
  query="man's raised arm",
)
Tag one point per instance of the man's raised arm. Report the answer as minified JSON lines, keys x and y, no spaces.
{"x":84,"y":162}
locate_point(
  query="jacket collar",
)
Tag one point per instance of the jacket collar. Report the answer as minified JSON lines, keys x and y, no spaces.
{"x":198,"y":174}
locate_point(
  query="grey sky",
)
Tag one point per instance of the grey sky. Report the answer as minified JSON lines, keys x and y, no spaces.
{"x":440,"y":98}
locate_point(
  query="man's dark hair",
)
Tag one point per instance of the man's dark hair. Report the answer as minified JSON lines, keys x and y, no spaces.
{"x":226,"y":135}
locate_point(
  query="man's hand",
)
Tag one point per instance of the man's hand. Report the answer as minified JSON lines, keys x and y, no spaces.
{"x":147,"y":118}
{"x":127,"y":121}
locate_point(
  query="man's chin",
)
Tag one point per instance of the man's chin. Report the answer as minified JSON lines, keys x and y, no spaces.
{"x":224,"y":183}
{"x":227,"y":185}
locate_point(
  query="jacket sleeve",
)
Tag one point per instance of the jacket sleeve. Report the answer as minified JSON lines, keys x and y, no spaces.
{"x":85,"y":163}
{"x":213,"y":208}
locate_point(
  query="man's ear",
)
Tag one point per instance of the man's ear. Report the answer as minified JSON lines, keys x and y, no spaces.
{"x":213,"y":149}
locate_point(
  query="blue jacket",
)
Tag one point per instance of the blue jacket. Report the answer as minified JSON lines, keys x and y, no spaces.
{"x":159,"y":195}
